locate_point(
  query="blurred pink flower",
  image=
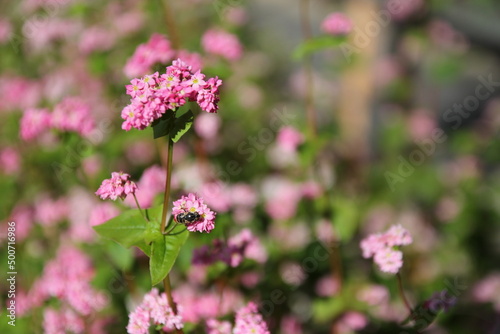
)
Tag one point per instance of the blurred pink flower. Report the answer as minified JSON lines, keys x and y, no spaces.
{"x":290,"y":325}
{"x":216,"y":195}
{"x":221,"y":43}
{"x":337,"y":24}
{"x":91,"y":165}
{"x":151,"y":183}
{"x":5,"y":31}
{"x":374,"y":295}
{"x":156,"y":50}
{"x":67,"y":278}
{"x":19,"y":93}
{"x":73,"y":114}
{"x":205,"y":222}
{"x":282,"y":197}
{"x":487,"y":290}
{"x":23,"y":216}
{"x":351,"y":321}
{"x":311,"y":189}
{"x":41,"y":34}
{"x":250,"y":279}
{"x":403,"y":10}
{"x":246,"y":245}
{"x":34,"y":122}
{"x":119,"y":185}
{"x":327,"y":286}
{"x":102,"y":212}
{"x":249,"y":320}
{"x":207,"y":125}
{"x":389,"y":260}
{"x":62,"y":321}
{"x":242,"y":194}
{"x":447,"y":209}
{"x":289,"y":138}
{"x":325,"y":232}
{"x":140,"y":152}
{"x":292,"y":273}
{"x":192,"y":59}
{"x":96,"y":39}
{"x":421,"y":125}
{"x":215,"y":326}
{"x":10,"y":161}
{"x":48,"y":212}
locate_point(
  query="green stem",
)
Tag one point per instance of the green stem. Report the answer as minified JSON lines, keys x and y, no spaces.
{"x":140,"y":209}
{"x":402,"y":293}
{"x":168,"y":292}
{"x":166,"y":198}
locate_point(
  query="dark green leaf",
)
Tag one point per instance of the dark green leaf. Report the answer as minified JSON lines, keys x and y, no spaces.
{"x":164,"y":252}
{"x":181,"y":125}
{"x":163,"y":126}
{"x":127,"y":229}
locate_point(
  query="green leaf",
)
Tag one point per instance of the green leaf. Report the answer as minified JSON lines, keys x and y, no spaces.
{"x":345,"y":217}
{"x":316,"y":44}
{"x":163,"y":126}
{"x":127,"y":229}
{"x":164,"y":252}
{"x":181,"y":125}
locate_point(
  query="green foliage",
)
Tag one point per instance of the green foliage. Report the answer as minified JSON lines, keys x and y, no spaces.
{"x":317,"y":44}
{"x":175,"y":126}
{"x":164,"y":252}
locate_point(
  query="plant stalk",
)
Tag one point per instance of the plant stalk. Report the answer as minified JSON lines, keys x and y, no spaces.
{"x":402,"y":293}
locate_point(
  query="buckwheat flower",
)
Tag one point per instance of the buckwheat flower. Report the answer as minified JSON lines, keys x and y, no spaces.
{"x":389,"y":260}
{"x":10,"y":161}
{"x":154,"y":309}
{"x":34,"y":122}
{"x":73,"y":114}
{"x":222,"y":43}
{"x":138,"y":321}
{"x":5,"y":31}
{"x":156,"y":50}
{"x":383,"y":248}
{"x":336,"y":24}
{"x":154,"y":95}
{"x":118,"y":186}
{"x":215,"y":326}
{"x":248,"y":320}
{"x":289,"y":138}
{"x":205,"y":218}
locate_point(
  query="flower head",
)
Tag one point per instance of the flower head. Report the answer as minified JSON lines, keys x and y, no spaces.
{"x":204,"y":218}
{"x":154,"y":95}
{"x":383,"y":248}
{"x":336,"y":24}
{"x":221,"y":43}
{"x":118,"y":186}
{"x":248,"y":320}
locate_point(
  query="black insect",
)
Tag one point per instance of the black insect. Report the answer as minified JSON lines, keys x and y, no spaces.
{"x":187,"y":217}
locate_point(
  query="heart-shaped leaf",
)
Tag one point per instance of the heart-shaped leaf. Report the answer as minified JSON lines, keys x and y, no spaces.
{"x":181,"y":125}
{"x":164,"y":252}
{"x":163,"y":126}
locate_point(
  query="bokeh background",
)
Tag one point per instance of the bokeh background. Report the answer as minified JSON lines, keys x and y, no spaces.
{"x":319,"y":141}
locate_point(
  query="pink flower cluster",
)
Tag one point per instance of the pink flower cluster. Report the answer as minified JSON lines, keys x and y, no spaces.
{"x":221,"y":43}
{"x":118,"y":186}
{"x":218,"y":327}
{"x":382,"y":248}
{"x":240,"y":246}
{"x":336,"y":24}
{"x":248,"y":320}
{"x":154,"y":94}
{"x":72,"y":114}
{"x":153,"y":309}
{"x":192,"y":203}
{"x":67,"y":278}
{"x":156,"y":50}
